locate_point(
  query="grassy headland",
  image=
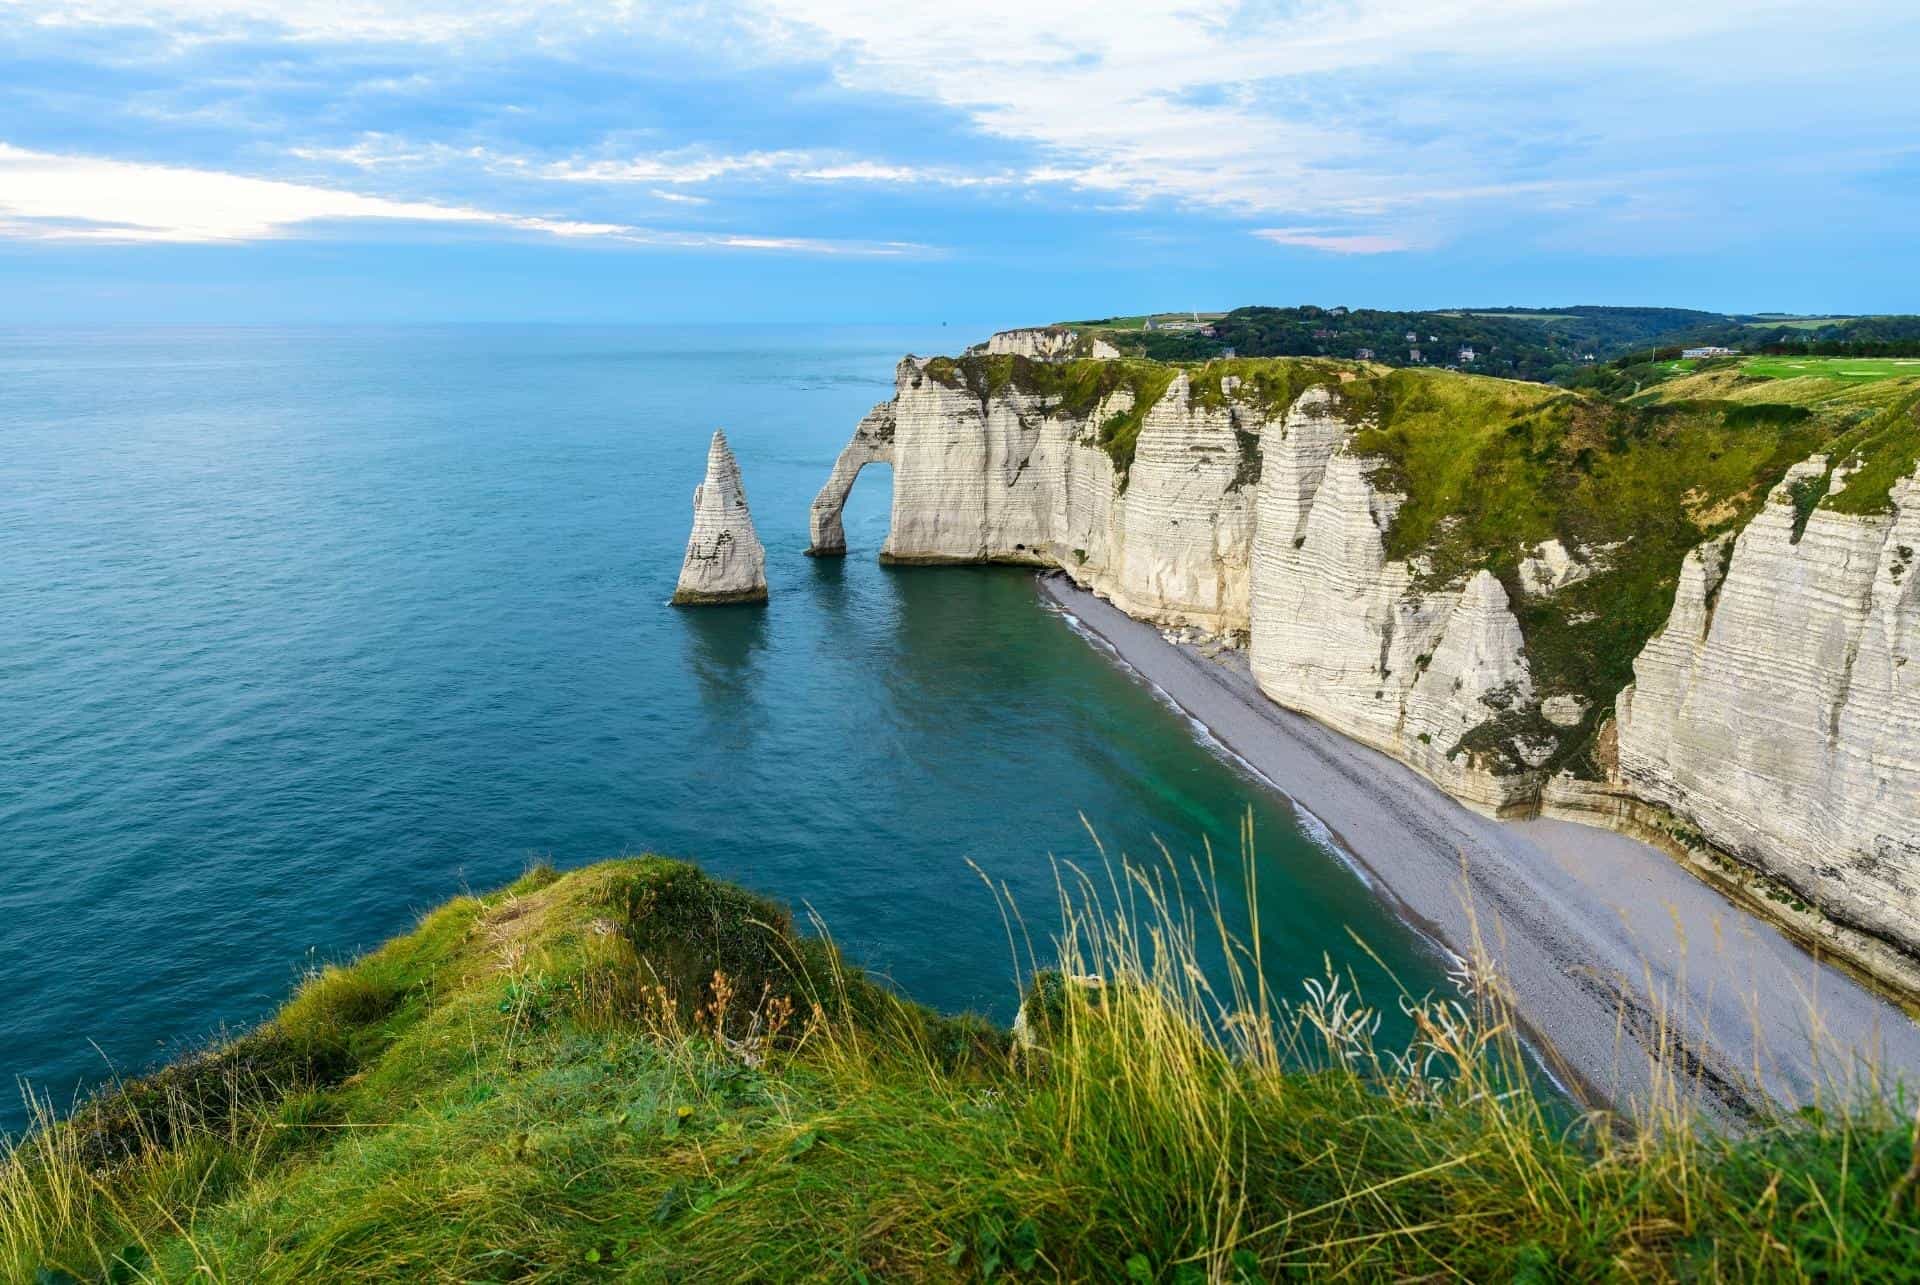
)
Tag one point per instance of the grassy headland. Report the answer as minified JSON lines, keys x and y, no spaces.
{"x":633,"y":1072}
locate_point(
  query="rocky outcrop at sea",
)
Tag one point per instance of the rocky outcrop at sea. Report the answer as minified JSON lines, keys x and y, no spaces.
{"x":725,"y":562}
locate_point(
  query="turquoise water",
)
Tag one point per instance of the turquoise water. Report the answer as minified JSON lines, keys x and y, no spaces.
{"x":302,"y":632}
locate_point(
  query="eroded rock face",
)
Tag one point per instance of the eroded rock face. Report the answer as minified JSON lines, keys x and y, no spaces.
{"x":1010,"y":478}
{"x":1048,"y":343}
{"x":1565,"y":710}
{"x":1551,"y":567}
{"x":1179,"y":545}
{"x":725,"y":562}
{"x":1340,"y":631}
{"x":1779,"y":710}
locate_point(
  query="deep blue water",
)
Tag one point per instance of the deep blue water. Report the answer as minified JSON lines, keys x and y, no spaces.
{"x":303,"y":631}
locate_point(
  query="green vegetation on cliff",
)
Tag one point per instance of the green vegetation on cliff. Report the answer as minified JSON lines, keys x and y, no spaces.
{"x":1871,"y":423}
{"x":1492,"y":469}
{"x":631,"y":1072}
{"x":1074,"y":389}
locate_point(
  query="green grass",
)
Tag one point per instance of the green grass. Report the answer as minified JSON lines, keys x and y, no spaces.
{"x":1843,"y":368}
{"x":1871,"y":423}
{"x":630,"y":1072}
{"x":1492,"y":468}
{"x":1883,"y":449}
{"x":1267,"y":384}
{"x":1137,"y":322}
{"x":1798,"y":323}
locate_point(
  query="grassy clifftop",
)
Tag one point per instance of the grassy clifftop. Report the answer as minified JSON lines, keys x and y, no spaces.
{"x":1492,"y":469}
{"x":633,"y":1072}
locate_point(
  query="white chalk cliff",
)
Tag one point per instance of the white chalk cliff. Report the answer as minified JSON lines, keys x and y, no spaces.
{"x":1778,"y":712}
{"x":1339,"y":631}
{"x":724,"y":561}
{"x":1777,"y":715}
{"x":1048,"y":343}
{"x":1009,"y":479}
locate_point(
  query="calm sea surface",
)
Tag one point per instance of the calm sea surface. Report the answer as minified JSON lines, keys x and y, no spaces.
{"x":302,"y":631}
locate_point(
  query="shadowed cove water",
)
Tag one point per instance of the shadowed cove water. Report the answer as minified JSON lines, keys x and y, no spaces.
{"x":302,"y":632}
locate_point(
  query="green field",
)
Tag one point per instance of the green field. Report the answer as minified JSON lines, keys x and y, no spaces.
{"x":1798,"y":323}
{"x":1852,"y":369}
{"x":1139,"y":322}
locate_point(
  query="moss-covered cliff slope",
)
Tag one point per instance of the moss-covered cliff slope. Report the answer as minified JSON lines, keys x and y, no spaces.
{"x":631,"y":1072}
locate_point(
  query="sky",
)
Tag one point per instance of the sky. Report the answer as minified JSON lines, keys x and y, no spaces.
{"x":830,"y":161}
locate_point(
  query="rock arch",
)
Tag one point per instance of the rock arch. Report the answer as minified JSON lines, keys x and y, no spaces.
{"x":872,"y":444}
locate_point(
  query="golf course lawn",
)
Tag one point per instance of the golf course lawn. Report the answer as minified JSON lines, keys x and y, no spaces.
{"x":1848,"y":368}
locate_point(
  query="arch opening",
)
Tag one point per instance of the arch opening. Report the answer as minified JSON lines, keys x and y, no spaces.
{"x":872,"y":444}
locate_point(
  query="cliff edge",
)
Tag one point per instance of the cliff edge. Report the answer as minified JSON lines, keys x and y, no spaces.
{"x":633,"y":1072}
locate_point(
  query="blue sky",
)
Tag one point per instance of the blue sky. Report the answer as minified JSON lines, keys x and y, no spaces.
{"x":859,"y":160}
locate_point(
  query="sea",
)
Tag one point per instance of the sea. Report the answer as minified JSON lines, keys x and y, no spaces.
{"x":303,"y":631}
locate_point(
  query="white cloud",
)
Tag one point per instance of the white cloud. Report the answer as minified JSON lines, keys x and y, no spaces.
{"x":1330,"y":109}
{"x":379,"y":151}
{"x":398,"y":21}
{"x":82,"y":198}
{"x":910,"y":175}
{"x":1384,"y":119}
{"x":693,"y":166}
{"x":686,"y":166}
{"x":1334,"y":242}
{"x":85,"y":198}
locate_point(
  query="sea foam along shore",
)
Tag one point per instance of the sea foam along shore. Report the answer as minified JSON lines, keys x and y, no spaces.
{"x":1608,"y":949}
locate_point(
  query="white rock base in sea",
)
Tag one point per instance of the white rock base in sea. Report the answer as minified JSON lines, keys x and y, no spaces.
{"x":725,"y":562}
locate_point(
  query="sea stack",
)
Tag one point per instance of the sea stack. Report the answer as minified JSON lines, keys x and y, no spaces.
{"x":724,"y":562}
